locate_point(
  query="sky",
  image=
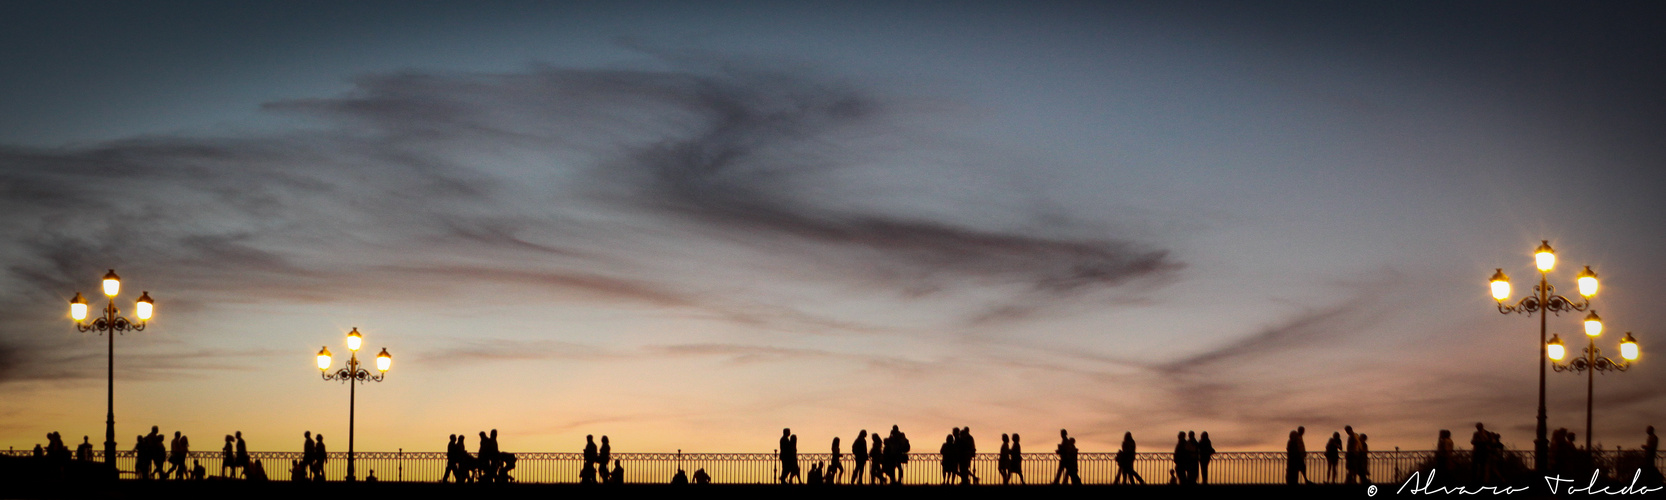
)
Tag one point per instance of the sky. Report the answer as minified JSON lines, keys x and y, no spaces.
{"x":688,"y":225}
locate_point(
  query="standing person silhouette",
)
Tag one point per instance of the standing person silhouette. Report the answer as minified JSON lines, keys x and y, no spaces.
{"x":947,"y":452}
{"x":1070,"y":463}
{"x":1364,"y":461}
{"x":1003,"y":463}
{"x":1125,"y":456}
{"x":1651,"y":452}
{"x":1350,"y":451}
{"x":784,"y":446}
{"x":1017,"y":465}
{"x":1192,"y":457}
{"x":141,"y":452}
{"x":790,"y":455}
{"x":836,"y":466}
{"x":309,"y":453}
{"x":896,"y":455}
{"x":228,"y":458}
{"x":158,"y":452}
{"x":242,"y":453}
{"x":876,"y":460}
{"x":1333,"y":452}
{"x":859,"y":456}
{"x":1064,"y":441}
{"x":1297,"y":458}
{"x":967,"y":450}
{"x":84,"y":452}
{"x":450,"y":459}
{"x":602,"y":456}
{"x":1181,"y":457}
{"x":590,"y":450}
{"x":323,"y":456}
{"x":1205,"y":452}
{"x":1443,"y":451}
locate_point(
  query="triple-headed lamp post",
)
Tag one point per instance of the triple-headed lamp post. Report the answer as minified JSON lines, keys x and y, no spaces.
{"x":109,"y":325}
{"x":349,"y":375}
{"x":1545,"y":302}
{"x":1592,"y":362}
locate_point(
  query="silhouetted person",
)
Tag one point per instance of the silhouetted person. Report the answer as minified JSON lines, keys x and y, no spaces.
{"x":1017,"y":465}
{"x":896,"y":455}
{"x":141,"y":454}
{"x":1480,"y":452}
{"x":835,"y":466}
{"x":1443,"y":452}
{"x":242,"y":453}
{"x":701,"y":477}
{"x":1301,"y":434}
{"x":1651,"y":449}
{"x":158,"y":452}
{"x":465,"y":461}
{"x":323,"y":455}
{"x":372,"y":477}
{"x":1350,"y":456}
{"x":783,"y":448}
{"x":947,"y":452}
{"x":1192,"y":457}
{"x":298,"y":471}
{"x":1070,"y":463}
{"x":604,"y":454}
{"x":198,"y":472}
{"x":876,"y":460}
{"x":182,"y":449}
{"x":1333,"y":454}
{"x":1182,"y":461}
{"x":309,"y":453}
{"x":790,"y":455}
{"x":618,"y":474}
{"x":84,"y":452}
{"x":450,"y":459}
{"x":815,"y":474}
{"x":1125,"y":455}
{"x":966,"y":449}
{"x":1297,"y":453}
{"x":680,"y":478}
{"x":1364,"y":461}
{"x":228,"y":457}
{"x":1205,"y":452}
{"x":859,"y":457}
{"x":1064,"y":441}
{"x":1003,"y":462}
{"x":590,"y":451}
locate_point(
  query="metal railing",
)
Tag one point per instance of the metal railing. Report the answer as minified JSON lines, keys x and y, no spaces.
{"x":1229,"y":467}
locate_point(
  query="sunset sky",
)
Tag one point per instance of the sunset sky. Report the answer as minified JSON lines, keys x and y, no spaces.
{"x":687,"y":225}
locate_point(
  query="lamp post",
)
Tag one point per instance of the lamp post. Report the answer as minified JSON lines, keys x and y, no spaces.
{"x":1592,"y":362}
{"x":111,"y":324}
{"x":349,"y":375}
{"x":1545,"y":302}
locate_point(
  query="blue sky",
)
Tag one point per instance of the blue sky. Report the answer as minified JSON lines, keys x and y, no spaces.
{"x":688,"y":225}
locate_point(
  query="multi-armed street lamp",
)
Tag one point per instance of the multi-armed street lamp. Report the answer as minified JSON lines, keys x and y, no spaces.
{"x":349,"y":375}
{"x":1544,"y":301}
{"x":1592,"y":362}
{"x":111,"y":324}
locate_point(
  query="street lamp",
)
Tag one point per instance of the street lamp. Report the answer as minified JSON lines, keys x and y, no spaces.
{"x":111,"y":323}
{"x":350,"y":374}
{"x":1544,"y":301}
{"x":1592,"y":362}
